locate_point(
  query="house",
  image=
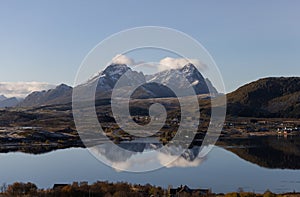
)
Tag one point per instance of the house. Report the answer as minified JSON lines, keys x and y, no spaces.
{"x":59,"y":186}
{"x":183,"y":190}
{"x":287,"y":129}
{"x":262,"y":122}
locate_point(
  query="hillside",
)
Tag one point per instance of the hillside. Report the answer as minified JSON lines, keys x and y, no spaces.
{"x":62,"y":94}
{"x":9,"y":102}
{"x":268,"y":97}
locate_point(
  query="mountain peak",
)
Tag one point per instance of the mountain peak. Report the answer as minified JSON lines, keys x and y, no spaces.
{"x":63,"y":86}
{"x":2,"y":97}
{"x":177,"y":78}
{"x":116,"y":69}
{"x":189,"y":66}
{"x":61,"y":94}
{"x":9,"y":102}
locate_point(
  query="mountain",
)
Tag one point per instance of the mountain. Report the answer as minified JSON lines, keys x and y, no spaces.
{"x":8,"y":102}
{"x":62,"y":94}
{"x":2,"y":98}
{"x":155,"y":86}
{"x":152,"y":90}
{"x":108,"y":78}
{"x":182,"y":78}
{"x":268,"y":97}
{"x":168,"y":83}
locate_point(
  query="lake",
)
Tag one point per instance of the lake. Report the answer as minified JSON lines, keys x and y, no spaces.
{"x":221,"y":170}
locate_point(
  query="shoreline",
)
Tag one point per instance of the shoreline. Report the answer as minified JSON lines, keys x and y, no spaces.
{"x":126,"y":189}
{"x":38,"y":144}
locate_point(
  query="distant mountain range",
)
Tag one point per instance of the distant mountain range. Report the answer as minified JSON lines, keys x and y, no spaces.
{"x":62,"y":94}
{"x":156,"y":85}
{"x":8,"y":102}
{"x":2,"y":97}
{"x":268,"y":97}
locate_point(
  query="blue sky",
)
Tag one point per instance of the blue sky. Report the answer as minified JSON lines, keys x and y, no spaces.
{"x":47,"y":40}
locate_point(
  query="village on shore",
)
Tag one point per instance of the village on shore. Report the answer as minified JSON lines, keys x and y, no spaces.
{"x":124,"y":189}
{"x":40,"y":139}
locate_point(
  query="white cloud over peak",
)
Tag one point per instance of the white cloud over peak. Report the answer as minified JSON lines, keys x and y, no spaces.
{"x":164,"y":64}
{"x":175,"y":63}
{"x":22,"y":89}
{"x":123,"y":59}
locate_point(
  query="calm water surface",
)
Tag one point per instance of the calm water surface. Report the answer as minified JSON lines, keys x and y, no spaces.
{"x":222,"y":171}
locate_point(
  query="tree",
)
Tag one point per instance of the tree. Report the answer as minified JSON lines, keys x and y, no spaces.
{"x":233,"y":194}
{"x":22,"y":189}
{"x":15,"y":189}
{"x":121,"y":194}
{"x":3,"y":188}
{"x":268,"y":193}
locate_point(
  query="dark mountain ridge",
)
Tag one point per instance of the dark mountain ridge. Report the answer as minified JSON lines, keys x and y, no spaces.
{"x":9,"y":102}
{"x":267,"y":97}
{"x":62,"y":94}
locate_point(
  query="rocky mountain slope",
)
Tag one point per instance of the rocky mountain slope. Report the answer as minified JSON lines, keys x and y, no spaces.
{"x":8,"y":102}
{"x":62,"y":94}
{"x":268,"y":97}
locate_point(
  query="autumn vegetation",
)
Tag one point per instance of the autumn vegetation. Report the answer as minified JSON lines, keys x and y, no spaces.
{"x":107,"y":189}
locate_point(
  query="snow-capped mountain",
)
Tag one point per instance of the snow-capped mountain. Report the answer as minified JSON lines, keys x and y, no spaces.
{"x":108,"y":78}
{"x":183,"y":78}
{"x":159,"y":85}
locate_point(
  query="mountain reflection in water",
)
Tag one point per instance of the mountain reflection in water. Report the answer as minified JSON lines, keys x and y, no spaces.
{"x":281,"y":152}
{"x":128,"y":155}
{"x":269,"y":151}
{"x":221,"y":170}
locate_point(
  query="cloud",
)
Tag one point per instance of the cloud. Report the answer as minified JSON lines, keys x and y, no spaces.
{"x":164,"y":64}
{"x":165,"y":159}
{"x":22,"y":89}
{"x":134,"y":163}
{"x":175,"y":63}
{"x":123,"y":59}
{"x":160,"y":159}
